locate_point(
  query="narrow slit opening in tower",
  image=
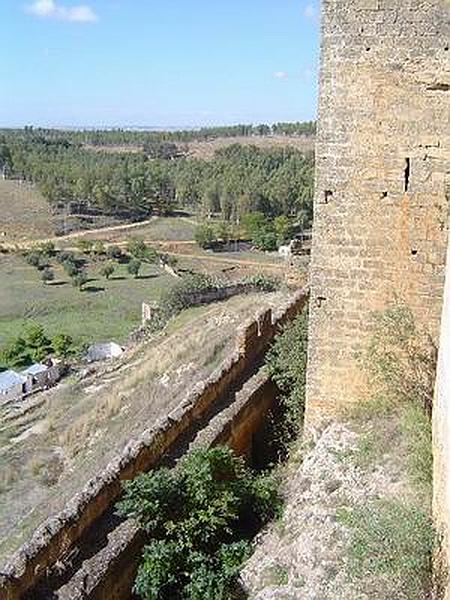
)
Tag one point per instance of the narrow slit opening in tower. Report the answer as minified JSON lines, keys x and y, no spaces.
{"x":407,"y":174}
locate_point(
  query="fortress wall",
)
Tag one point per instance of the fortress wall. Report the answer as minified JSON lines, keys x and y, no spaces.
{"x":60,"y":533}
{"x":110,"y":573}
{"x":383,"y":146}
{"x":441,"y":437}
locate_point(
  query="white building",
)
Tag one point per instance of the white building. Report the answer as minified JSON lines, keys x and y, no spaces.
{"x":11,"y":386}
{"x":15,"y":386}
{"x":103,"y":351}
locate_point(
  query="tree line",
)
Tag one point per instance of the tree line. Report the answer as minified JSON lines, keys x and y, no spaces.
{"x":238,"y":180}
{"x":124,"y":137}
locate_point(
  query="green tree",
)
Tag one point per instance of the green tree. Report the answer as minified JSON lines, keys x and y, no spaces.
{"x":15,"y":353}
{"x":134,"y":266}
{"x":199,"y":519}
{"x":286,"y":362}
{"x":47,"y":275}
{"x":223,"y":231}
{"x":205,"y":236}
{"x":98,"y":248}
{"x":139,"y":250}
{"x":253,"y":223}
{"x":283,"y":229}
{"x":71,"y":268}
{"x":33,"y":258}
{"x":79,"y":279}
{"x":62,"y":344}
{"x":37,"y":343}
{"x":47,"y":249}
{"x":107,"y":269}
{"x":84,"y":246}
{"x":114,"y":253}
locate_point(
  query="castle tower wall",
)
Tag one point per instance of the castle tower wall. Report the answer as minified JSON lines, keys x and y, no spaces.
{"x":383,"y":149}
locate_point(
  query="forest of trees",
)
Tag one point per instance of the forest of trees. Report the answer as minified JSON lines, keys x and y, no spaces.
{"x":237,"y":181}
{"x":124,"y":137}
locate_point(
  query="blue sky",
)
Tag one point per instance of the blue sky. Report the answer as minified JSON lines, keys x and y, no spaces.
{"x":157,"y":62}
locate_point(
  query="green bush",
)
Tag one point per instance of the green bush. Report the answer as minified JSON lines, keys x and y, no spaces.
{"x":205,"y":236}
{"x":134,"y":266}
{"x":286,"y":361}
{"x":34,"y":345}
{"x":199,"y":519}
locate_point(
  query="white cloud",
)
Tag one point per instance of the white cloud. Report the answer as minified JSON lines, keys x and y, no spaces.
{"x":81,"y":13}
{"x":280,"y":75}
{"x":309,"y":12}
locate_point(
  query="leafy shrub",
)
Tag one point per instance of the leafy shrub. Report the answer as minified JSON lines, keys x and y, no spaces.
{"x":134,"y":266}
{"x":140,"y":251}
{"x":114,"y":253}
{"x":205,"y":236}
{"x":34,"y":345}
{"x":84,"y":246}
{"x":286,"y":361}
{"x":47,"y":249}
{"x":264,"y":283}
{"x":199,"y":518}
{"x":107,"y":269}
{"x":47,"y":275}
{"x":34,"y":258}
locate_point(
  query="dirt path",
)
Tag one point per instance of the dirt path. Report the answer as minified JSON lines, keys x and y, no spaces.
{"x":77,"y":234}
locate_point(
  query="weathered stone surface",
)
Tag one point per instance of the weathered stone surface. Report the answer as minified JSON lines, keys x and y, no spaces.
{"x":302,"y":556}
{"x":383,"y":150}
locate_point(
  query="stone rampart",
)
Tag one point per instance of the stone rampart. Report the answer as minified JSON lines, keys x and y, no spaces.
{"x":110,"y":573}
{"x":55,"y":538}
{"x":441,"y":442}
{"x":383,"y":147}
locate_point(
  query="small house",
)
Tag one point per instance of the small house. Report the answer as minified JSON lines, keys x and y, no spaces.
{"x":40,"y":376}
{"x":11,"y":386}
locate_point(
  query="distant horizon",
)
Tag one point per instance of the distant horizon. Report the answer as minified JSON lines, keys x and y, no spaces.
{"x":104,"y":127}
{"x":115,"y":64}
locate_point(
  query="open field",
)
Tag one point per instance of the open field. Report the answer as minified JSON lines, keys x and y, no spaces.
{"x":154,"y":229}
{"x":105,"y":310}
{"x":206,"y":149}
{"x":69,"y":433}
{"x":25,"y":214}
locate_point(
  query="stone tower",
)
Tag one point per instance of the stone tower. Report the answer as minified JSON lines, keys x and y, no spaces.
{"x":383,"y":150}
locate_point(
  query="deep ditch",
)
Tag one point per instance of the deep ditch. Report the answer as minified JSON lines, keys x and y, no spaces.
{"x":102,"y":563}
{"x":95,"y":545}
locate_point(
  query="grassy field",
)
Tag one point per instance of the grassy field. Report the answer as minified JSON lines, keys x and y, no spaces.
{"x":105,"y":310}
{"x":25,"y":214}
{"x":207,"y":149}
{"x":155,"y":229}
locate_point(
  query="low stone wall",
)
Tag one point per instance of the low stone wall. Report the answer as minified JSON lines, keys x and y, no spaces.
{"x":110,"y":574}
{"x":195,"y":298}
{"x":58,"y":535}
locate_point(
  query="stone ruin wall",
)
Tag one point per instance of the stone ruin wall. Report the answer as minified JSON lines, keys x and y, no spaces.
{"x":55,"y":537}
{"x":381,"y":210}
{"x":441,"y":436}
{"x":383,"y":144}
